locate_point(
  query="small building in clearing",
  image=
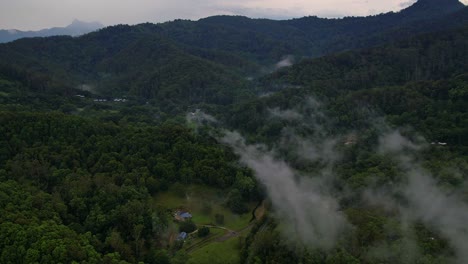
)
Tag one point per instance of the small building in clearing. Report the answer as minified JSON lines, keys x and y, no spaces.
{"x":182,"y":236}
{"x":182,"y":216}
{"x":186,"y":215}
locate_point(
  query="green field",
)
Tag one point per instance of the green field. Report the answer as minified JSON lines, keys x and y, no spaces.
{"x":203,"y":203}
{"x":226,"y":252}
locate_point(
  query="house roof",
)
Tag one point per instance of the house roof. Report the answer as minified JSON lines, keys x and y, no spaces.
{"x":185,"y":215}
{"x":182,"y":236}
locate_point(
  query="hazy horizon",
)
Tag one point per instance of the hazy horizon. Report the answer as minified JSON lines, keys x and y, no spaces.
{"x":35,"y":15}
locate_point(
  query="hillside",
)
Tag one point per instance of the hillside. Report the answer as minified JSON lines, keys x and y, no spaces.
{"x":187,"y":142}
{"x":309,"y":36}
{"x":218,"y":54}
{"x":436,"y":60}
{"x":427,"y":57}
{"x":356,"y":140}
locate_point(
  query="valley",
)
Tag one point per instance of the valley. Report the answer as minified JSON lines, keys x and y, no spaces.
{"x":236,"y":140}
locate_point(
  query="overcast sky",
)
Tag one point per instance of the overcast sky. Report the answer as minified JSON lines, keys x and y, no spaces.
{"x":38,"y":14}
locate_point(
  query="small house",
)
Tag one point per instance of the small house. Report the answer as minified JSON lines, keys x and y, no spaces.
{"x":182,"y":236}
{"x":185,"y":215}
{"x":182,"y":216}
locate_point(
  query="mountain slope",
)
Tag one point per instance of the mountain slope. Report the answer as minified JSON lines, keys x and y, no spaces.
{"x":424,"y":8}
{"x":100,"y":181}
{"x":122,"y":61}
{"x":427,"y":57}
{"x":308,"y":36}
{"x":76,"y":28}
{"x":210,"y":60}
{"x":420,"y":82}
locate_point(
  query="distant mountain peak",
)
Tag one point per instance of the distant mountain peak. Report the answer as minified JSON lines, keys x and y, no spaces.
{"x":440,"y":2}
{"x":76,"y":28}
{"x":76,"y":23}
{"x":436,"y":7}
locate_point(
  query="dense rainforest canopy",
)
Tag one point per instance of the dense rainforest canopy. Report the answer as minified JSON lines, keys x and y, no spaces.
{"x":103,"y":135}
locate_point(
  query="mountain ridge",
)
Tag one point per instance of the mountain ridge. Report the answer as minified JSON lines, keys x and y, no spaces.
{"x":432,"y":7}
{"x":76,"y":28}
{"x":146,"y":60}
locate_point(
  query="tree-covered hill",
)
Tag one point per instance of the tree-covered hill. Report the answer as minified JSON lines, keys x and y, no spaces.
{"x":325,"y":118}
{"x":423,"y":79}
{"x":428,"y":57}
{"x":206,"y":61}
{"x":269,"y":40}
{"x":78,"y":190}
{"x":119,"y":62}
{"x":96,"y":129}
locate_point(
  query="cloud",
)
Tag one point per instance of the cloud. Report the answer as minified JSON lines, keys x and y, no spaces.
{"x":420,"y":198}
{"x":286,"y":114}
{"x":306,"y":202}
{"x":444,"y":212}
{"x":303,"y":202}
{"x":426,"y":201}
{"x":198,"y":117}
{"x":257,"y":12}
{"x":32,"y":14}
{"x":407,"y":3}
{"x":319,"y":146}
{"x":285,"y":62}
{"x":393,"y":142}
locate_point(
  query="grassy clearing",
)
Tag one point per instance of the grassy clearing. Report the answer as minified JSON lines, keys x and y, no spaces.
{"x":226,"y":252}
{"x":197,"y":242}
{"x":203,"y":203}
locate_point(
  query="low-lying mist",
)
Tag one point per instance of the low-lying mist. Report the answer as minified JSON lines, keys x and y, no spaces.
{"x":308,"y":204}
{"x":305,"y":203}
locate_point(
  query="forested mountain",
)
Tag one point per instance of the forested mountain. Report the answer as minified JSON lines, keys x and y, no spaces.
{"x":76,"y":28}
{"x":217,"y":54}
{"x":85,"y":188}
{"x":332,"y":108}
{"x":355,"y":154}
{"x":312,"y":36}
{"x":427,"y":57}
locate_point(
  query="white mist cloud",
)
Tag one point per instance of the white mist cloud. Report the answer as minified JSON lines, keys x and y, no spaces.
{"x":304,"y":203}
{"x":393,"y":142}
{"x":307,"y":204}
{"x":286,"y":114}
{"x":427,"y":202}
{"x":198,"y":117}
{"x":319,"y":146}
{"x":286,"y":62}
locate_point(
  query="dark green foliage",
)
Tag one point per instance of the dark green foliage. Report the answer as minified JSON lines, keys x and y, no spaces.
{"x":418,"y":85}
{"x":421,"y":83}
{"x":431,"y":57}
{"x":86,"y":185}
{"x":219,"y":218}
{"x":140,"y":64}
{"x":32,"y":231}
{"x":78,"y":178}
{"x":187,"y":226}
{"x":236,"y":202}
{"x":157,"y":257}
{"x":181,"y":63}
{"x":203,"y":232}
